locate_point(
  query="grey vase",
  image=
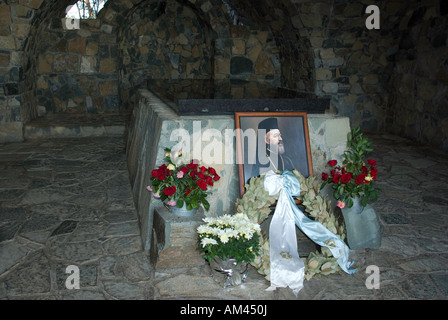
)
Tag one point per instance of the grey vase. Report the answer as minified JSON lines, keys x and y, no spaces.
{"x":362,"y":225}
{"x":227,"y":272}
{"x":183,"y":212}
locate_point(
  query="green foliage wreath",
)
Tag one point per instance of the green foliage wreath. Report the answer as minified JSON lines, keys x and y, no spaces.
{"x":256,"y":204}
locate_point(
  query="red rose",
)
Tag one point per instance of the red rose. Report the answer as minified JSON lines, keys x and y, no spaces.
{"x":192,"y":165}
{"x":373,"y":172}
{"x":209,"y":181}
{"x":336,"y":178}
{"x":216,"y":177}
{"x":324,"y":176}
{"x":192,"y":174}
{"x":360,"y":179}
{"x":203,"y":169}
{"x":201,"y":175}
{"x":161,"y":176}
{"x":346,"y":178}
{"x":169,"y":191}
{"x":212,"y":171}
{"x":371,"y":162}
{"x":201,"y":184}
{"x":154,"y":173}
{"x":184,"y":170}
{"x":332,"y":163}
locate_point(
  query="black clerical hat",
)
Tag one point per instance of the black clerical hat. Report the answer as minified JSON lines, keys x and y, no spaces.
{"x":268,"y":124}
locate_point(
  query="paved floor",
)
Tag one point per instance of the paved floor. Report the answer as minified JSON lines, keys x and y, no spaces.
{"x":67,"y":202}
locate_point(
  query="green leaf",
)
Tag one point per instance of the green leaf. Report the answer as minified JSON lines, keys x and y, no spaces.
{"x":336,"y":194}
{"x":323,"y":185}
{"x":349,"y":202}
{"x":364,"y":201}
{"x":205,"y":204}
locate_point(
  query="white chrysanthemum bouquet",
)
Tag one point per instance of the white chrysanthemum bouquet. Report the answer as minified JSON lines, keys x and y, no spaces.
{"x":229,"y":236}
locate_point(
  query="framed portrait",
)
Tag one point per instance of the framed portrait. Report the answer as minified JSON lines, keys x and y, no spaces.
{"x":271,"y":141}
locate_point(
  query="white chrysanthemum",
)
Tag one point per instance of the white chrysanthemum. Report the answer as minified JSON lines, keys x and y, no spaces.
{"x":228,"y":226}
{"x":231,"y":233}
{"x":207,"y":230}
{"x":240,"y":217}
{"x":202,"y":229}
{"x":207,"y":241}
{"x":246,"y":232}
{"x":225,"y":220}
{"x":210,"y":220}
{"x":223,"y":236}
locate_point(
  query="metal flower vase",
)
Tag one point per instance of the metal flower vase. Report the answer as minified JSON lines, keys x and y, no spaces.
{"x":182,"y":212}
{"x":362,"y":225}
{"x":227,"y":272}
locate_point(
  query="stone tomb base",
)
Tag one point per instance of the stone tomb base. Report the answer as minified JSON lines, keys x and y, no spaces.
{"x":176,"y":240}
{"x":150,"y":131}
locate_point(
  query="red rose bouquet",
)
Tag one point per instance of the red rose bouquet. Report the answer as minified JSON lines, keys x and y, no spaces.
{"x":355,"y":177}
{"x":182,"y":183}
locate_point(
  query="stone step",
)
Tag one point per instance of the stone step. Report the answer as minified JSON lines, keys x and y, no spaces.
{"x":76,"y":125}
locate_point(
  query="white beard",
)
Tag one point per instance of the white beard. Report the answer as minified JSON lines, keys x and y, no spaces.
{"x":281,"y":148}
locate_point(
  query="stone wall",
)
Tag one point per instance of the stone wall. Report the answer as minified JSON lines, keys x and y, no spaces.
{"x":163,"y":41}
{"x":173,"y":40}
{"x":327,"y":51}
{"x":392,"y":79}
{"x":15,"y":24}
{"x":35,"y":77}
{"x":77,"y":68}
{"x":153,"y":129}
{"x":351,"y":63}
{"x":247,"y":54}
{"x":419,"y":104}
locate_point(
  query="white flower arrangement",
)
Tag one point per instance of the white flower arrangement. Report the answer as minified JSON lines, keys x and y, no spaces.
{"x":229,"y":236}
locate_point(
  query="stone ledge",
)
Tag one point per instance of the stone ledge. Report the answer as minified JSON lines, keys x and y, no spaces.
{"x":76,"y":125}
{"x":11,"y":132}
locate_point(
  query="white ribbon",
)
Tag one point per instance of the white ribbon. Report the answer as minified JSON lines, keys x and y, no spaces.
{"x":287,"y":269}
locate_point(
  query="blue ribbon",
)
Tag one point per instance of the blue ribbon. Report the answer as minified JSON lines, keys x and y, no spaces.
{"x":289,"y":185}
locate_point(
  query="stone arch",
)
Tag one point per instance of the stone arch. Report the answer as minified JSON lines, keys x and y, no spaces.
{"x":73,"y":70}
{"x":92,"y":85}
{"x":320,"y":48}
{"x":41,"y":83}
{"x":45,"y":85}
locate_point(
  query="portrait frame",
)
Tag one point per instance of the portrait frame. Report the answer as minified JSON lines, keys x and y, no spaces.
{"x":295,"y":131}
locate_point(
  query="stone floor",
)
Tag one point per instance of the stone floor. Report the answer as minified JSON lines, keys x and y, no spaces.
{"x":67,"y":202}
